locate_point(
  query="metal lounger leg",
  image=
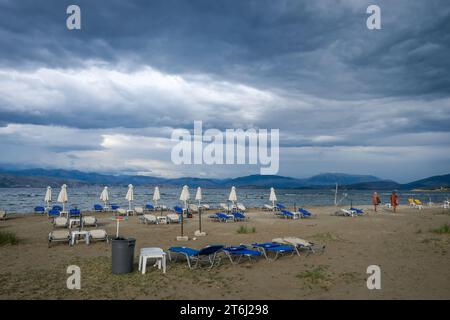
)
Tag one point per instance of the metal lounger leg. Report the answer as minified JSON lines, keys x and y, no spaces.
{"x":189,"y":261}
{"x":229,"y":257}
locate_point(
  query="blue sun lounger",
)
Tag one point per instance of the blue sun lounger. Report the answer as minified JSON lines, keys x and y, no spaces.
{"x":114,"y":207}
{"x":240,"y":251}
{"x":206,"y":254}
{"x":221,"y":217}
{"x":54,"y":212}
{"x":149,"y":206}
{"x":274,"y":247}
{"x":59,"y":208}
{"x":239,"y":216}
{"x":356,"y":210}
{"x":39,"y":210}
{"x":305,"y":213}
{"x":289,"y":214}
{"x":280,"y":206}
{"x":74,"y":212}
{"x":178,"y":209}
{"x":98,"y":208}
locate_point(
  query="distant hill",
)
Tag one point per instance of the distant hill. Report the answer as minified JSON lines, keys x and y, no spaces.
{"x":376,"y":185}
{"x":56,"y":177}
{"x":13,"y":181}
{"x":327,"y":179}
{"x":264,"y":181}
{"x":434,"y":182}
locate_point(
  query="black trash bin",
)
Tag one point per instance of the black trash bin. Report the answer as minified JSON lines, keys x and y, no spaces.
{"x":123,"y":255}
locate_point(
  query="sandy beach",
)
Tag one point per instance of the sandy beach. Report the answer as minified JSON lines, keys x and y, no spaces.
{"x":413,"y":258}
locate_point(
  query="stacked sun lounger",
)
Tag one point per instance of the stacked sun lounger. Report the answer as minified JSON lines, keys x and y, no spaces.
{"x":352,"y":212}
{"x":221,"y":217}
{"x":288,"y":214}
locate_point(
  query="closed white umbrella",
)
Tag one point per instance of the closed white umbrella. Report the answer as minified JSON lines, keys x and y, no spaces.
{"x":198,"y":195}
{"x":130,"y":195}
{"x":62,"y":196}
{"x":233,"y":195}
{"x":156,"y":196}
{"x":104,"y":196}
{"x":48,"y":196}
{"x":273,"y":196}
{"x":185,"y":196}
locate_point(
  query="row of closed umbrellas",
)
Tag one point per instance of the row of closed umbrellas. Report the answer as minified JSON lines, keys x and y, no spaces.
{"x":184,"y":196}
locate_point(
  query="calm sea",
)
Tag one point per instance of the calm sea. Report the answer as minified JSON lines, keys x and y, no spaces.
{"x":23,"y":200}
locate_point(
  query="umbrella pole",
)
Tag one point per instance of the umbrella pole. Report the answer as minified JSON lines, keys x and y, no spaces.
{"x":182,"y":222}
{"x":117,"y":232}
{"x":200,"y":219}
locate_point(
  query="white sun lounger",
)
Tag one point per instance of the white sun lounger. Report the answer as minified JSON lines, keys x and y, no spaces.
{"x":98,"y":235}
{"x":60,"y":222}
{"x":121,"y":212}
{"x":241,"y":207}
{"x":90,"y":221}
{"x":2,"y":214}
{"x":139,"y":210}
{"x":345,"y":213}
{"x":58,"y":235}
{"x":148,"y":218}
{"x":300,"y":244}
{"x":173,"y":218}
{"x":193,"y":207}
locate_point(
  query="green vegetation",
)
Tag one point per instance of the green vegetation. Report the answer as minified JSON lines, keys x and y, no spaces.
{"x":8,"y":238}
{"x":317,"y":276}
{"x":245,"y":230}
{"x":444,"y":229}
{"x":98,"y":282}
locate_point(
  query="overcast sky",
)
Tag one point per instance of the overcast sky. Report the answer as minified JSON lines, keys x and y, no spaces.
{"x":346,"y":99}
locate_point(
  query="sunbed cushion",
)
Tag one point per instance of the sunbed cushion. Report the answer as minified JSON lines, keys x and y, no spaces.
{"x":60,"y":221}
{"x":188,"y":251}
{"x":149,"y":217}
{"x":59,"y":235}
{"x":98,"y":234}
{"x":90,"y":220}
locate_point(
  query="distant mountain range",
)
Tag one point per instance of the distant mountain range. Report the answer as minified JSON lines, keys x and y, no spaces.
{"x":56,"y":177}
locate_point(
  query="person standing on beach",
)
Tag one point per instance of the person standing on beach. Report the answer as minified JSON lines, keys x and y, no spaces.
{"x":375,"y":201}
{"x":394,"y":200}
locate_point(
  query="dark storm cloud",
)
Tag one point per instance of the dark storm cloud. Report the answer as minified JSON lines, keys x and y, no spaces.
{"x":137,"y":69}
{"x":307,"y":46}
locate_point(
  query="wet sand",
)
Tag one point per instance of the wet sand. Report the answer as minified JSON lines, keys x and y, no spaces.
{"x":414,"y":260}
